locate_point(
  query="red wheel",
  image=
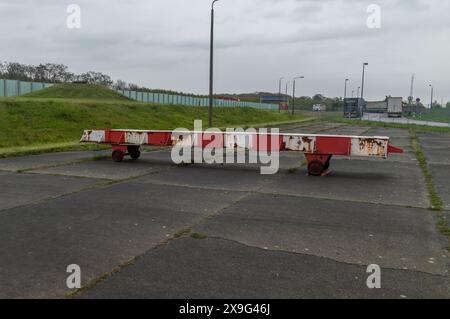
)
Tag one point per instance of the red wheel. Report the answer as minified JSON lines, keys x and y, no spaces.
{"x":316,"y":168}
{"x":118,"y":156}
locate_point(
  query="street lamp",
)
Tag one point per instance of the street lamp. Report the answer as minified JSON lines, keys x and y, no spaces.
{"x":293,"y":93}
{"x":432,"y":91}
{"x":362,"y":89}
{"x":286,"y":93}
{"x":211,"y":67}
{"x":279,"y":94}
{"x":359,"y":88}
{"x":345,"y":89}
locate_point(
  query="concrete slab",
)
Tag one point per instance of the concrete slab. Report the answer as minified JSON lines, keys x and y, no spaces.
{"x":106,"y":168}
{"x":390,"y":132}
{"x":314,"y":128}
{"x":436,"y":147}
{"x":97,"y":229}
{"x":358,"y":233}
{"x":382,"y":182}
{"x":226,"y":177}
{"x":437,"y":155}
{"x":441,"y":178}
{"x":348,"y":130}
{"x":213,"y":268}
{"x":23,"y":189}
{"x":35,"y":161}
{"x":433,"y":136}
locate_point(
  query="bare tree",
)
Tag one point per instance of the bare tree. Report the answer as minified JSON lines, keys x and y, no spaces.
{"x":120,"y":85}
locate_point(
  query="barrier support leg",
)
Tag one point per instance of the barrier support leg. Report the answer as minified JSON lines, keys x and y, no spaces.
{"x":318,"y":164}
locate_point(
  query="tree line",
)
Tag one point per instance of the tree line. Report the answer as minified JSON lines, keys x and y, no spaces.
{"x":54,"y":73}
{"x":60,"y":73}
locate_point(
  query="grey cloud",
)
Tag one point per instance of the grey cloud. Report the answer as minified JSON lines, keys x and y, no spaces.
{"x":164,"y":43}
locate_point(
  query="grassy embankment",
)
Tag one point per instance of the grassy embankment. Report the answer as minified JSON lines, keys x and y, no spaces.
{"x":54,"y":119}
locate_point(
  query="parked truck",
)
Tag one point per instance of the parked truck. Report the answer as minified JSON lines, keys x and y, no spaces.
{"x":395,"y":106}
{"x":353,"y":107}
{"x":376,"y":107}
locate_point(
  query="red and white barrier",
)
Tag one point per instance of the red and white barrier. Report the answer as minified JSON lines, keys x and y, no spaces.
{"x":318,"y":149}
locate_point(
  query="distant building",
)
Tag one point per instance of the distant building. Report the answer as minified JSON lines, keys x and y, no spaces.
{"x":281,"y":100}
{"x":273,"y":98}
{"x":319,"y":107}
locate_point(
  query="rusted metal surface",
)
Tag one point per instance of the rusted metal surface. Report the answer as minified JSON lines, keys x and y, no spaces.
{"x":182,"y":139}
{"x":239,"y":141}
{"x":370,"y":147}
{"x":318,"y":149}
{"x":305,"y":144}
{"x":93,"y":136}
{"x":136,"y":138}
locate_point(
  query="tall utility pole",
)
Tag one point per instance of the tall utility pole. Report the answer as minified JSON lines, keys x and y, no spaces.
{"x":279,"y":94}
{"x":211,"y":67}
{"x":345,"y":89}
{"x":362,"y":89}
{"x":293,"y":93}
{"x":359,"y":88}
{"x":287,"y":96}
{"x":411,"y":91}
{"x":432,"y":91}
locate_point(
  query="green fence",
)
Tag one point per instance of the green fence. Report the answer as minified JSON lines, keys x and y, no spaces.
{"x":169,"y":99}
{"x":9,"y":88}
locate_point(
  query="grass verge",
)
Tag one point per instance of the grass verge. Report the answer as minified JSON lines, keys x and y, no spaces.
{"x":34,"y":126}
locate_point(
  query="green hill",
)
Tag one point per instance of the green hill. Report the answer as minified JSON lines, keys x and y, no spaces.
{"x":76,"y":91}
{"x":27,"y":122}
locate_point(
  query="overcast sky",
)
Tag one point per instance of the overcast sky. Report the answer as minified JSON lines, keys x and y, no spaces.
{"x":165,"y":43}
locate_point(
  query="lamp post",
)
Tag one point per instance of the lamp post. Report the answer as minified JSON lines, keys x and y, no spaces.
{"x":432,"y":92}
{"x":286,"y":93}
{"x":211,"y":67}
{"x":359,"y":88}
{"x":345,"y":89}
{"x":362,"y":89}
{"x":279,"y":94}
{"x":293,"y":93}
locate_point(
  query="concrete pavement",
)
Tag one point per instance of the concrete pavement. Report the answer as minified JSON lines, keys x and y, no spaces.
{"x":151,"y":229}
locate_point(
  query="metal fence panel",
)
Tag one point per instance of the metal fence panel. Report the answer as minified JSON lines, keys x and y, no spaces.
{"x":169,"y":99}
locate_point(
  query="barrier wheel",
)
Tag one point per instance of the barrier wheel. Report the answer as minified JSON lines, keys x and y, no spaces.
{"x":134,"y":152}
{"x":117,"y":156}
{"x":316,"y":168}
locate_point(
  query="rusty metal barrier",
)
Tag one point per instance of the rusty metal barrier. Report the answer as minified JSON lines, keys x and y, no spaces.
{"x":318,"y":149}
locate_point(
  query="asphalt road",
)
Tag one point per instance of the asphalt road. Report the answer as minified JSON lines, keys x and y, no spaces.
{"x":151,"y":229}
